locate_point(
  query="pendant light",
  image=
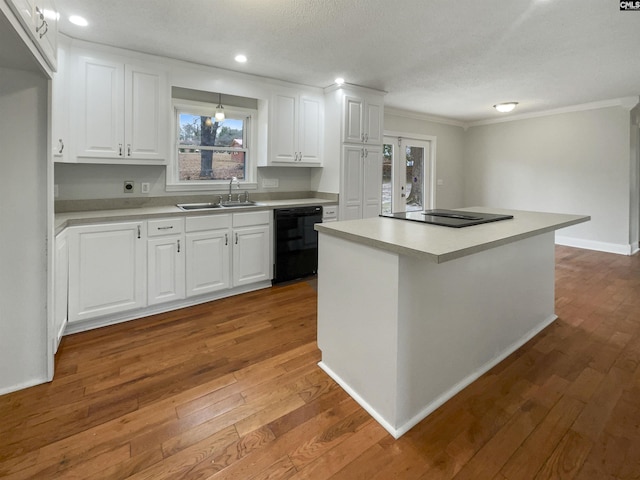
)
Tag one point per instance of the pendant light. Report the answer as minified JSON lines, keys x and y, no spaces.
{"x":219,"y":116}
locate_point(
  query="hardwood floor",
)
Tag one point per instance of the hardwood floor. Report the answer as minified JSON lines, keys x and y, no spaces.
{"x":231,"y":390}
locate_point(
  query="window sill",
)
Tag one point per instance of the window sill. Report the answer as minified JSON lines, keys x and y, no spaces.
{"x":218,"y":187}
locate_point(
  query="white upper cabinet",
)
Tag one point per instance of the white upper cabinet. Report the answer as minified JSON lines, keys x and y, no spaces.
{"x":296,"y":130}
{"x":40,"y":19}
{"x":119,"y":112}
{"x":362,"y":120}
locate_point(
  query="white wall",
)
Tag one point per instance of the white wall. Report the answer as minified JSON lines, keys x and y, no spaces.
{"x":575,"y":162}
{"x":89,"y":181}
{"x":450,"y":166}
{"x":23,"y":238}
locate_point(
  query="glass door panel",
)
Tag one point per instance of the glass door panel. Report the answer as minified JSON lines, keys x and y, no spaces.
{"x":405,"y":175}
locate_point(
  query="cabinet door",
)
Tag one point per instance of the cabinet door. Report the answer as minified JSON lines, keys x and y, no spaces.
{"x":251,"y":260}
{"x":165,"y":269}
{"x":351,"y":195}
{"x":145,"y":114}
{"x":310,"y":130}
{"x":372,"y":182}
{"x":284,"y":123}
{"x":60,"y":286}
{"x":208,"y":261}
{"x":98,"y":113}
{"x":353,"y":121}
{"x":107,"y":269}
{"x":46,"y":30}
{"x":373,"y":122}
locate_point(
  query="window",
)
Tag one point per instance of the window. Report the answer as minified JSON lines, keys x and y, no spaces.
{"x":208,"y":152}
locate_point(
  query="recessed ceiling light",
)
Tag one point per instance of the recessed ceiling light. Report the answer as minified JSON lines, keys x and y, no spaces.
{"x":339,"y":81}
{"x":78,"y":20}
{"x":505,"y":107}
{"x":241,"y":58}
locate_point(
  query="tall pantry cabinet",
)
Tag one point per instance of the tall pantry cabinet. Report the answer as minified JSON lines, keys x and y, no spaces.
{"x":353,"y":150}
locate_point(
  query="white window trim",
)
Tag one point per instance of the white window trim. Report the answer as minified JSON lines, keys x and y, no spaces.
{"x":202,"y":108}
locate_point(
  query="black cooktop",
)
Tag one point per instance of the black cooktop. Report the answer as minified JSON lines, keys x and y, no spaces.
{"x":448,"y":218}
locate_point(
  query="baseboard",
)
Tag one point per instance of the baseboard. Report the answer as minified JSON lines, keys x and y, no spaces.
{"x":439,"y":401}
{"x":23,"y":385}
{"x":620,"y":249}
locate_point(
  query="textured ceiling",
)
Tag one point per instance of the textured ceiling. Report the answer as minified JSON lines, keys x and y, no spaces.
{"x":453,"y":59}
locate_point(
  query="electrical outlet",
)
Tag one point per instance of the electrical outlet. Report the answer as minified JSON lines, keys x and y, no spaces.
{"x":270,"y":183}
{"x":144,"y":187}
{"x":128,"y":186}
{"x":440,"y":182}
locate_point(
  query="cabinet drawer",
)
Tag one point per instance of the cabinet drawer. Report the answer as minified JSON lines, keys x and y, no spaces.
{"x":329,"y":212}
{"x":209,"y":222}
{"x":167,"y":226}
{"x":246,"y":219}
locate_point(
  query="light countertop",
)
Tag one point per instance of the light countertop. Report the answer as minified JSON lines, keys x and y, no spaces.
{"x":68,"y":219}
{"x":440,"y":244}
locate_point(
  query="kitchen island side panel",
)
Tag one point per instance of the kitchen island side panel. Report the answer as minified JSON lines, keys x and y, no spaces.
{"x":460,"y":318}
{"x":357,"y":322}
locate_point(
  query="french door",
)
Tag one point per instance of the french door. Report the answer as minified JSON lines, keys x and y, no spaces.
{"x":406,"y":175}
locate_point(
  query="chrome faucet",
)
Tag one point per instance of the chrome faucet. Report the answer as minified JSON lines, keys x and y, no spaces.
{"x":233,"y":179}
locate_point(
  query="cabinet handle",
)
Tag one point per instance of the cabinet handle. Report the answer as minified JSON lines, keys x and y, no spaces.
{"x":128,"y":149}
{"x":46,"y":29}
{"x":178,"y":246}
{"x":166,"y":228}
{"x":226,"y":239}
{"x":366,"y":138}
{"x":120,"y":149}
{"x":362,"y":137}
{"x":236,"y":238}
{"x":366,"y":153}
{"x":60,"y":145}
{"x":138,"y":231}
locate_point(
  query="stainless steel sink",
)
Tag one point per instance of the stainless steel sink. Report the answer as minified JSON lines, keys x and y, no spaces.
{"x":198,"y":206}
{"x":213,"y":206}
{"x":238,"y":204}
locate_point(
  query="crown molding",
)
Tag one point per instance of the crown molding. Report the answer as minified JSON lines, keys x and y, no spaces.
{"x":396,"y":112}
{"x":628,"y":103}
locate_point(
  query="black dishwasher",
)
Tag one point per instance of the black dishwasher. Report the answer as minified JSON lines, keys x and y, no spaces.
{"x":296,"y":242}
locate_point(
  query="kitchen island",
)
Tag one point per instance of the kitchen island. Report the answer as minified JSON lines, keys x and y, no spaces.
{"x":410,"y":313}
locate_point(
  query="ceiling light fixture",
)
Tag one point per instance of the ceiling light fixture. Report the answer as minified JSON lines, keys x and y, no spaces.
{"x":219,"y":116}
{"x":241,"y":58}
{"x":505,"y":107}
{"x":339,"y":81}
{"x":78,"y":20}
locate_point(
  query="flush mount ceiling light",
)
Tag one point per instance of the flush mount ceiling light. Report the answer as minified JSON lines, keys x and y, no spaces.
{"x":505,"y":107}
{"x":219,"y":116}
{"x":241,"y":58}
{"x":339,"y":81}
{"x":78,"y":20}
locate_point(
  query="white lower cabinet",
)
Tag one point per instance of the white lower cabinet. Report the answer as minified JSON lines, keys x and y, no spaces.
{"x":61,"y":286}
{"x":114,"y":268}
{"x":361,"y":182}
{"x":251,"y":255}
{"x":208,"y":254}
{"x":229,"y":246}
{"x":165,"y":260}
{"x":107,"y":269}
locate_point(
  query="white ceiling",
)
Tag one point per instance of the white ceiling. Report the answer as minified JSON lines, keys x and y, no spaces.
{"x":447,"y":58}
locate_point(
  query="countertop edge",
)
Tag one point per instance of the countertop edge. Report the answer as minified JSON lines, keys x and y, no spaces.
{"x":70,"y":219}
{"x":445,"y":257}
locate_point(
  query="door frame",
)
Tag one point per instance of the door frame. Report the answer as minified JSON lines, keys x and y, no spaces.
{"x":431,"y":181}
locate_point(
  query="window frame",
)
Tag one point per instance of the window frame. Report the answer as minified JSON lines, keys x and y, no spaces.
{"x":173,"y":182}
